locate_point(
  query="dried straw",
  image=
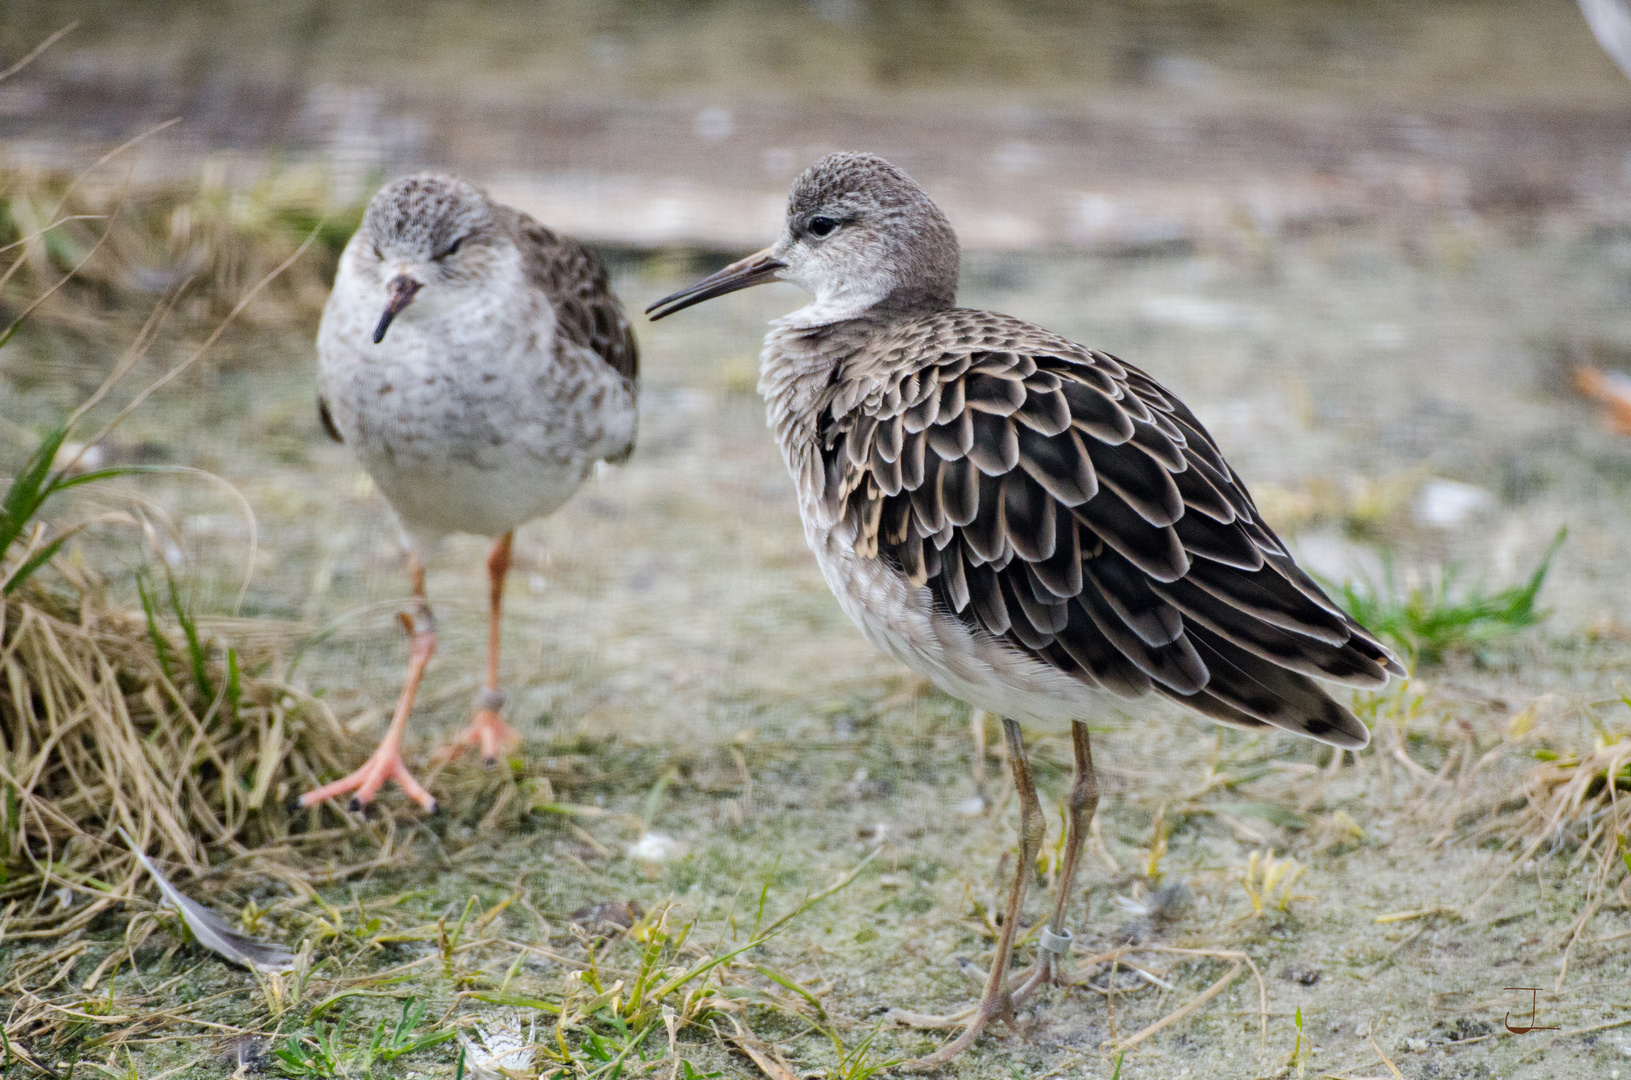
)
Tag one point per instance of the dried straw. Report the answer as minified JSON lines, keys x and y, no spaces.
{"x":99,"y":735}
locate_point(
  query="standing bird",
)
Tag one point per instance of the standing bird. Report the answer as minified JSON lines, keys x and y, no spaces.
{"x":1029,"y":523}
{"x":478,"y":365}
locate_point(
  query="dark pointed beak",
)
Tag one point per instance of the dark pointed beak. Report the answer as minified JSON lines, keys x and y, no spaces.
{"x":401,"y":290}
{"x":756,"y":269}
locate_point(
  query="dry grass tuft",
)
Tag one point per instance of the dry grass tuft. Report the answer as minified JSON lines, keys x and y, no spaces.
{"x":1572,"y":794}
{"x":1574,"y":803}
{"x":1569,"y":771}
{"x":1268,"y":882}
{"x":112,"y":719}
{"x":1551,"y":782}
{"x":206,"y":241}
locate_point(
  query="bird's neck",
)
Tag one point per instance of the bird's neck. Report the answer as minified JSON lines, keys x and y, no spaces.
{"x":871,"y":299}
{"x":800,"y":370}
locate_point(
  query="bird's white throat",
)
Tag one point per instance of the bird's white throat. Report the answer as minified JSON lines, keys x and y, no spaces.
{"x":444,"y":307}
{"x":838,"y":297}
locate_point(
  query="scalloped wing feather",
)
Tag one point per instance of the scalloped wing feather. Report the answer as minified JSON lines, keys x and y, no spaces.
{"x":1068,"y":504}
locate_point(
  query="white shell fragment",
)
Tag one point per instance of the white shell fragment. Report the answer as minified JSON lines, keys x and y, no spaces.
{"x":656,"y":847}
{"x":1444,"y":504}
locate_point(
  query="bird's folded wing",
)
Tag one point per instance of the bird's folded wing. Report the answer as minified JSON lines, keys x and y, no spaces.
{"x":587,"y":311}
{"x":1065,"y":502}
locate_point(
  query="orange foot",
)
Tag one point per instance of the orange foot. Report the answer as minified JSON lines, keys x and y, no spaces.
{"x":487,"y":730}
{"x":386,"y":764}
{"x":1612,"y":389}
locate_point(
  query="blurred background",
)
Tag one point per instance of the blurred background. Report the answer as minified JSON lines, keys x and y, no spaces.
{"x":1381,"y":247}
{"x":1089,"y":126}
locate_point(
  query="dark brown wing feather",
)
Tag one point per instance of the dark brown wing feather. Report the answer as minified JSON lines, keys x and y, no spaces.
{"x":1067,"y":503}
{"x":587,"y":312}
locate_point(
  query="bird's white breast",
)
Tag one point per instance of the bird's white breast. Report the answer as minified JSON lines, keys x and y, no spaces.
{"x":467,"y":415}
{"x":900,"y":619}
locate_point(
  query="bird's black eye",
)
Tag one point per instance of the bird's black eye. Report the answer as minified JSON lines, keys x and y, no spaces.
{"x":822,"y":226}
{"x":450,"y":249}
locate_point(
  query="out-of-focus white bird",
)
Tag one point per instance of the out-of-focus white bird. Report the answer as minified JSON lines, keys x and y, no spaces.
{"x":1610,"y":21}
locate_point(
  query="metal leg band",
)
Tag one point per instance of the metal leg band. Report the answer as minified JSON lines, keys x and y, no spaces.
{"x":491,"y":698}
{"x":421,"y":620}
{"x":1057,"y":944}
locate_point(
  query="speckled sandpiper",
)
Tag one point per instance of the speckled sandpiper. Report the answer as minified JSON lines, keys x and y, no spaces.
{"x":479,"y":365}
{"x":1030,"y":523}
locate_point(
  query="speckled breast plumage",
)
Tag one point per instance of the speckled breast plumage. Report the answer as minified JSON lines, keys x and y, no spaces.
{"x":480,"y":416}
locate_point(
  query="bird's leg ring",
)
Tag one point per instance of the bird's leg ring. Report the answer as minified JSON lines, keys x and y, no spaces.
{"x":1054,"y":943}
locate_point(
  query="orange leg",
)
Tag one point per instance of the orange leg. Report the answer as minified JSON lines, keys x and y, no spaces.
{"x":386,"y":762}
{"x":487,"y":728}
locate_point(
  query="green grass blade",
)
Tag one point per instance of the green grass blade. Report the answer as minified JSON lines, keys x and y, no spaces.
{"x":332,"y":1000}
{"x":1429,"y":620}
{"x":161,"y":644}
{"x":782,"y":980}
{"x":33,"y":563}
{"x":234,"y":682}
{"x":519,"y":1002}
{"x":1526,"y":596}
{"x":413,"y":1046}
{"x":616,"y":1064}
{"x":97,"y":475}
{"x":30,"y":488}
{"x":195,"y":649}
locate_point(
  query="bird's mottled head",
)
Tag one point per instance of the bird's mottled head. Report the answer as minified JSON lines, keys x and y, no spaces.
{"x":427,"y":231}
{"x":860,"y":234}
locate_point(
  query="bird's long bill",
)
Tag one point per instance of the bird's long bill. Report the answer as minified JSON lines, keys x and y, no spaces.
{"x":756,"y":269}
{"x":401,"y":290}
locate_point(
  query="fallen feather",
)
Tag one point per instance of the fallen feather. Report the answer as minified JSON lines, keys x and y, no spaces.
{"x":211,"y":930}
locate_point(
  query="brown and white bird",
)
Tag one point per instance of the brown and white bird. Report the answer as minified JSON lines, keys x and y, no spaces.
{"x":1030,"y":523}
{"x":478,"y":365}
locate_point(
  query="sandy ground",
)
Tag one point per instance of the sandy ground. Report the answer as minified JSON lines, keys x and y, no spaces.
{"x":670,"y":618}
